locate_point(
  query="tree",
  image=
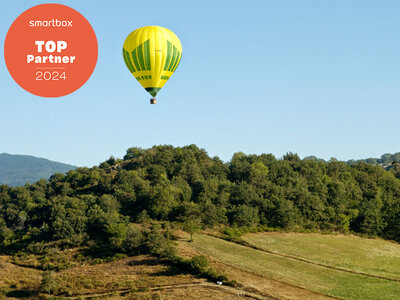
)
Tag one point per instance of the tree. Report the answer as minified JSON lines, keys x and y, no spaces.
{"x":49,"y":284}
{"x":199,"y":263}
{"x":157,"y":244}
{"x":133,"y":152}
{"x":191,"y":226}
{"x":133,"y":240}
{"x":259,"y":174}
{"x":68,"y":218}
{"x":239,"y":167}
{"x":244,"y":215}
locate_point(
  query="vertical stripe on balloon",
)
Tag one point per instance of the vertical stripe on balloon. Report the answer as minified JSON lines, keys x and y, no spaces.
{"x":135,"y":60}
{"x":141,"y":58}
{"x":168,"y":60}
{"x":147,"y":54}
{"x":128,"y":61}
{"x":178,"y":58}
{"x":173,"y":59}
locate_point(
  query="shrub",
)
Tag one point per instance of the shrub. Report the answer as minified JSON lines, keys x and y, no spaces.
{"x":117,"y":256}
{"x":133,"y":241}
{"x":233,"y":231}
{"x":199,"y":263}
{"x":158,"y":245}
{"x":49,"y":284}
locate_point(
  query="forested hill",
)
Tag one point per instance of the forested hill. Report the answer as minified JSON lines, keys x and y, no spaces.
{"x":98,"y":205}
{"x":20,"y":169}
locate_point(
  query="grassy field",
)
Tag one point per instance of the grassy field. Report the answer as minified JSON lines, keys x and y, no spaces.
{"x":301,"y":274}
{"x":140,"y":277}
{"x":372,"y":256}
{"x":259,"y":274}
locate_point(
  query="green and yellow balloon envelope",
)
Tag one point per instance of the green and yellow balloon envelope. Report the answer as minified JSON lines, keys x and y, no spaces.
{"x":152,"y":54}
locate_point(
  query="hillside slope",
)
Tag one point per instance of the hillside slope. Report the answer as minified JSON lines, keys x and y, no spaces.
{"x":340,"y":282}
{"x":17,"y":170}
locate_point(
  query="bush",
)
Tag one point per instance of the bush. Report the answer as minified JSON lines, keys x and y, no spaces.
{"x":36,"y":248}
{"x":158,"y":245}
{"x":199,"y":263}
{"x":49,"y":284}
{"x":55,"y":260}
{"x":133,"y":241}
{"x":117,"y":256}
{"x":233,"y":231}
{"x":213,"y":275}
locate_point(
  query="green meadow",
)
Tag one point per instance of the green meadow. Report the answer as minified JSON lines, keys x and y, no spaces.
{"x":337,"y":283}
{"x":372,"y":256}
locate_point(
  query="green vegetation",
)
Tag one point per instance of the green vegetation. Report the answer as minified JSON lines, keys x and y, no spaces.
{"x":385,"y":160}
{"x":131,"y":206}
{"x":49,"y":283}
{"x":309,"y":276}
{"x":97,"y":206}
{"x":371,"y":256}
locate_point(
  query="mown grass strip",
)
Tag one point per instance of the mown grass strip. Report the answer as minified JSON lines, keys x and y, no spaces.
{"x":370,"y":257}
{"x":247,"y":244}
{"x":298,"y":273}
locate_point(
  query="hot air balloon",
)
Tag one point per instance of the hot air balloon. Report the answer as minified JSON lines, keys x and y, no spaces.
{"x":152,"y":54}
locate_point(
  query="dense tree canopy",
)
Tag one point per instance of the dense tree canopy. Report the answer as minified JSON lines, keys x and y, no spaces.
{"x":183,"y":184}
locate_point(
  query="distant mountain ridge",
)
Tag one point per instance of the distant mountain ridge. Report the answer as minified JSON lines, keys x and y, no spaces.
{"x":16,"y":170}
{"x":385,"y":161}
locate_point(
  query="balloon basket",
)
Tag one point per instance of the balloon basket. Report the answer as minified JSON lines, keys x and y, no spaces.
{"x":153,"y":101}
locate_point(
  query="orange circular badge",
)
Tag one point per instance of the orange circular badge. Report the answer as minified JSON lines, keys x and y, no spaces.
{"x":51,"y":50}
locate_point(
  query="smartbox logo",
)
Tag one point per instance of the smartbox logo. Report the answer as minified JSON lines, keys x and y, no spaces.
{"x":51,"y":23}
{"x":51,"y":50}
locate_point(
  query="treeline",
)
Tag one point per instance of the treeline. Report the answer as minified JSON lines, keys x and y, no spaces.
{"x":98,"y":206}
{"x":385,"y":160}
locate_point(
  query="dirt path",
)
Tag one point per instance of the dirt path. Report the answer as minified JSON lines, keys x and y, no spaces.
{"x":227,"y":289}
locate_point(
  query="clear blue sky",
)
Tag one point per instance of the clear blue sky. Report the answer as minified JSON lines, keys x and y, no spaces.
{"x":312,"y":77}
